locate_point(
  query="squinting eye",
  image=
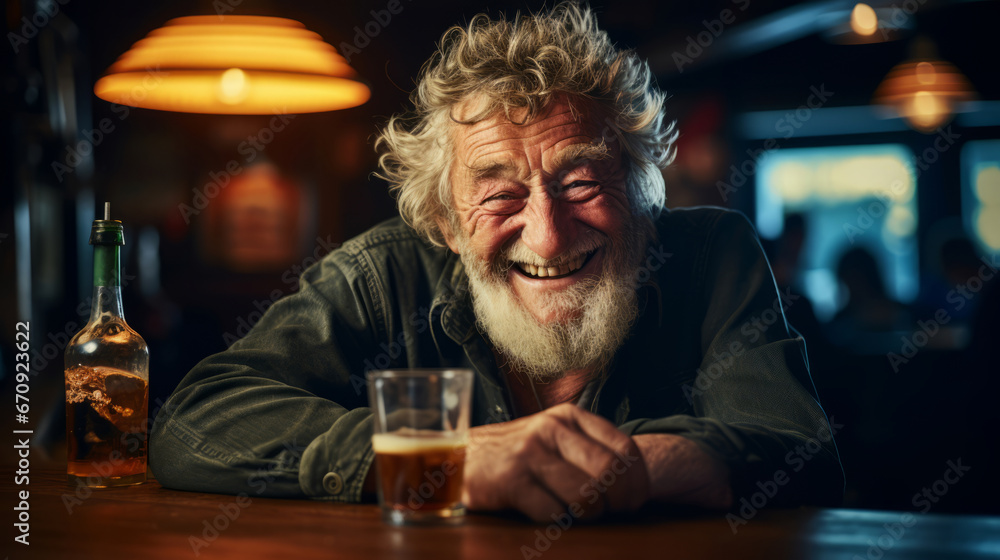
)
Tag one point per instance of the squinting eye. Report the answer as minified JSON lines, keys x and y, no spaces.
{"x":580,"y":191}
{"x":503,"y":203}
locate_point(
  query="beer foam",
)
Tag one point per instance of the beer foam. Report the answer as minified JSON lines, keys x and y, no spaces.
{"x":412,"y":441}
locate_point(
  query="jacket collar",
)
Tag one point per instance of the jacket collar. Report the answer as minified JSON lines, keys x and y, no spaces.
{"x":452,"y":303}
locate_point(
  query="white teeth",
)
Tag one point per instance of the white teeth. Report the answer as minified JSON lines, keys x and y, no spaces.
{"x":550,"y":271}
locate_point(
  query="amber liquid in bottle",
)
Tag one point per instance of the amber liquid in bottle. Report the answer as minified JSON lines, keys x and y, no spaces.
{"x":107,"y":379}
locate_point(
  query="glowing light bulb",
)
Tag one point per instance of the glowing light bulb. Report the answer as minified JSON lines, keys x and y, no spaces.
{"x":864,"y":21}
{"x":233,"y":86}
{"x":927,"y":111}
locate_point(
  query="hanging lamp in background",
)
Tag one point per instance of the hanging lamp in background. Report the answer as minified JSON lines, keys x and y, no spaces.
{"x":925,"y":90}
{"x":242,"y":65}
{"x":865,"y":24}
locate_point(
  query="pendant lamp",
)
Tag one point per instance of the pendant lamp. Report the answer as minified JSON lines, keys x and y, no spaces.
{"x":242,"y":65}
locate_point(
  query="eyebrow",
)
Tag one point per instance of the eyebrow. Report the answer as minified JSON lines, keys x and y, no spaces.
{"x":492,"y":170}
{"x":577,"y":154}
{"x":570,"y":157}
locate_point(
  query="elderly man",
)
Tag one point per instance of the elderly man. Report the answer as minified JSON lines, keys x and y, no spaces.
{"x":605,"y":332}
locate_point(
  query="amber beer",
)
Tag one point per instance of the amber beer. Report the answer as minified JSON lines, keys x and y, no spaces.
{"x":106,"y":425}
{"x":420,"y":471}
{"x":420,"y":427}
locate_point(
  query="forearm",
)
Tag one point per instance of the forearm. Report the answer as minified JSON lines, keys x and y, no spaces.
{"x":680,"y":472}
{"x":254,"y":436}
{"x":281,"y":412}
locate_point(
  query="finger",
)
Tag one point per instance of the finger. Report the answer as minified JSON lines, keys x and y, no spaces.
{"x":578,"y":448}
{"x":619,"y":470}
{"x":620,"y":479}
{"x":625,"y":481}
{"x":535,"y":501}
{"x":573,"y":487}
{"x":502,"y":484}
{"x":595,"y":426}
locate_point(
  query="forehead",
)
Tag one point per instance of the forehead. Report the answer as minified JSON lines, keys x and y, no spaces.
{"x":563,"y":123}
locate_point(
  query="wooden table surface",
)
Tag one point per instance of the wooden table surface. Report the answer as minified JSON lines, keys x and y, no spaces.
{"x":149,"y":521}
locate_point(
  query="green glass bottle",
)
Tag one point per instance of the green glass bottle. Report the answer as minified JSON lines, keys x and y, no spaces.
{"x":107,"y":378}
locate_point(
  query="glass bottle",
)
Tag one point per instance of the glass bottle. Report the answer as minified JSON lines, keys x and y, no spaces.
{"x":107,"y":378}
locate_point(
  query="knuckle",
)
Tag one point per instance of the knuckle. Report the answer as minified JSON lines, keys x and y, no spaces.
{"x":519,"y":448}
{"x":546,"y":423}
{"x":567,"y":410}
{"x":525,"y":446}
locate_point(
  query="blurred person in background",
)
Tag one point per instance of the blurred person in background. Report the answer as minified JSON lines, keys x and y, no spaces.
{"x":869,"y":319}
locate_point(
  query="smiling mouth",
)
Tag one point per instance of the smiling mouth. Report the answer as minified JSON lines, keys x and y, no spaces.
{"x":553,"y":272}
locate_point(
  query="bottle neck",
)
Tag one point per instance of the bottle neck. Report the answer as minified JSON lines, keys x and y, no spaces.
{"x":107,"y":298}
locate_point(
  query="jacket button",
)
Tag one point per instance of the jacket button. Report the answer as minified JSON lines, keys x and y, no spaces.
{"x":499,"y":415}
{"x":333,"y":483}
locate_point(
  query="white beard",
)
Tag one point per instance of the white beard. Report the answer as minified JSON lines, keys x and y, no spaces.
{"x":587,"y":341}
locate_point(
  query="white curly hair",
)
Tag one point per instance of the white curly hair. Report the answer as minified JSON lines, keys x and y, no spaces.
{"x":521,"y":65}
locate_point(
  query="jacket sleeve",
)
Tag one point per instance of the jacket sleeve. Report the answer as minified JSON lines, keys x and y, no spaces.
{"x":282,"y":412}
{"x":754,"y":403}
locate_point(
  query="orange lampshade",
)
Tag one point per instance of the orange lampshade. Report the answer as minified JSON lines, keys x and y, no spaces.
{"x":925,"y":92}
{"x":244,"y":65}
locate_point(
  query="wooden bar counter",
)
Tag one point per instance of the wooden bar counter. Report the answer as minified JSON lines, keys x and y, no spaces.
{"x":151,"y":522}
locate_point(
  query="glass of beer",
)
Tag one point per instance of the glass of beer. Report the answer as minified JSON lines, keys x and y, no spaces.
{"x":420,"y":433}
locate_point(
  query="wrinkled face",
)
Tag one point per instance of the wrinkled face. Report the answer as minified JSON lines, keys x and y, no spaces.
{"x":539,"y":203}
{"x":546,"y":236}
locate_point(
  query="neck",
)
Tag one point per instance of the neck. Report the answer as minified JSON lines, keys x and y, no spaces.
{"x":529,"y":396}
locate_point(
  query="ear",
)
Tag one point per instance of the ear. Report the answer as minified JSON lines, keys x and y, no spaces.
{"x":449,"y":236}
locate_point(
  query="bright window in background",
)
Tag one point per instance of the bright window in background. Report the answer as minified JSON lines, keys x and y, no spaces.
{"x":981,"y":193}
{"x":849,"y":196}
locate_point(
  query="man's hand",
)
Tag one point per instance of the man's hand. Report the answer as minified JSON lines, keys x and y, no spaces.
{"x":560,"y":459}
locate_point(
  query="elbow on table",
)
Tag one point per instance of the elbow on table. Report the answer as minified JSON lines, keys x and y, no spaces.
{"x":168,"y":461}
{"x":175,"y":463}
{"x":183,"y":459}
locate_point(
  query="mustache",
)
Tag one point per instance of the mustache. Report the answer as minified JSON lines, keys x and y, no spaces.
{"x":519,"y":252}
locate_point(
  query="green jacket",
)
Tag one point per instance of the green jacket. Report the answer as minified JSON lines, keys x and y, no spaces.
{"x":283,"y":411}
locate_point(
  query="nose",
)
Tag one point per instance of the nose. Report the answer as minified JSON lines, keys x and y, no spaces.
{"x":549,"y":229}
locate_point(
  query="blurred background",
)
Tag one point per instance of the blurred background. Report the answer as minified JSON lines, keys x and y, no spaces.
{"x":862,"y":141}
